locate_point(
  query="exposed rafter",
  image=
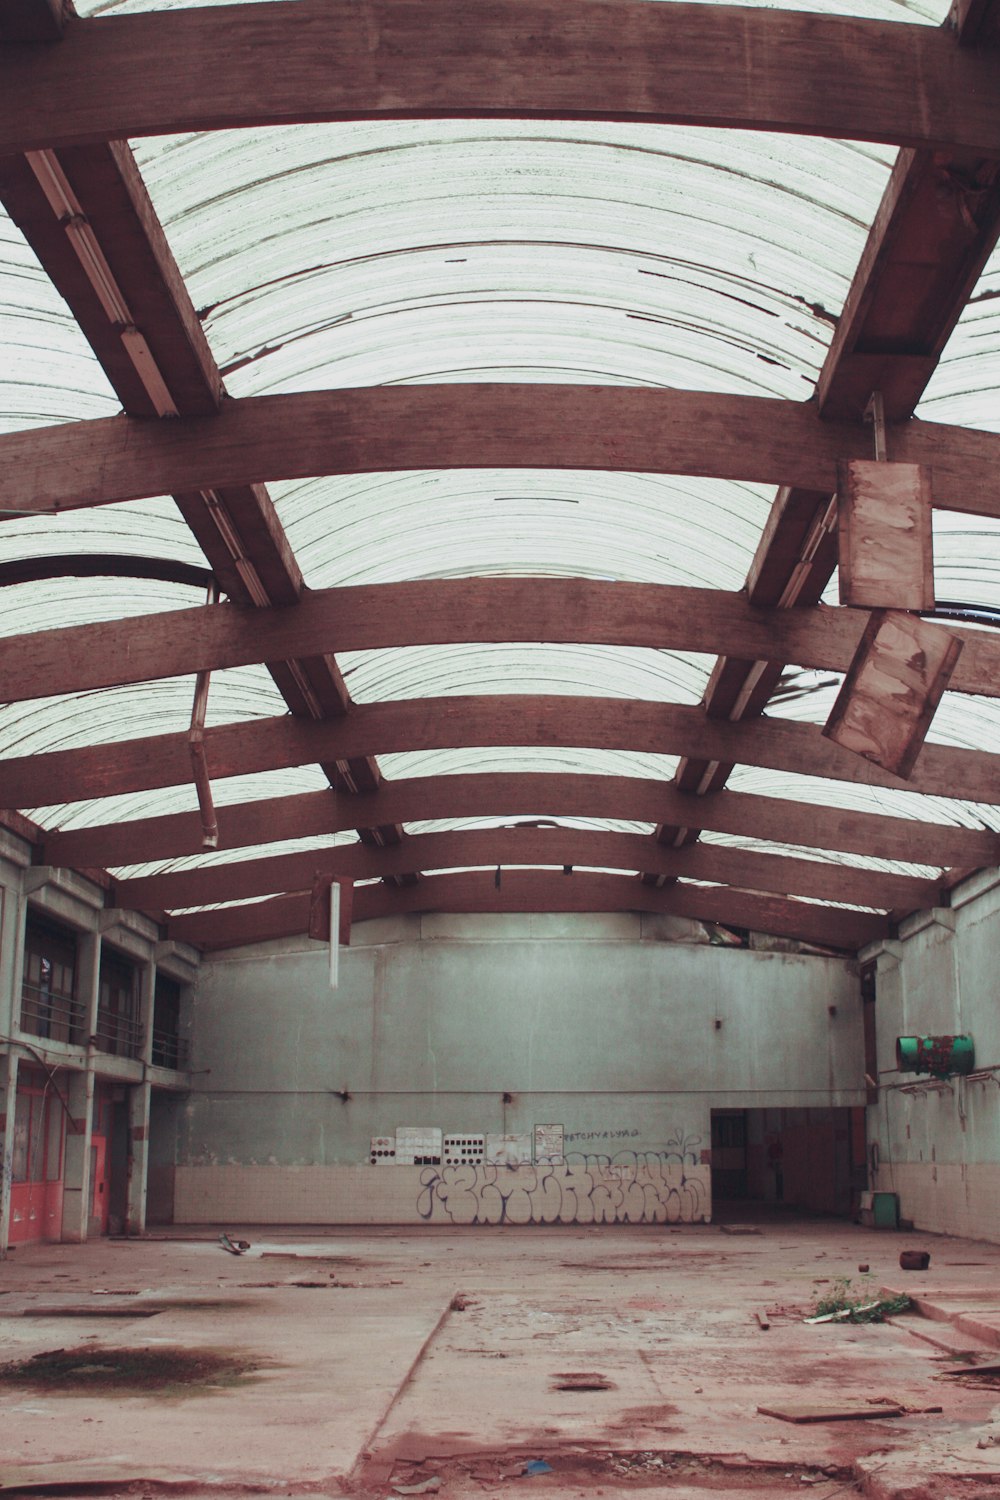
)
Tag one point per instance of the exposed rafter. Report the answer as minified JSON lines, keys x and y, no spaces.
{"x":780,"y":874}
{"x":102,"y":565}
{"x":522,"y":890}
{"x":32,"y":20}
{"x":69,"y":86}
{"x":452,"y":723}
{"x":383,"y":429}
{"x":445,"y":611}
{"x":938,"y":221}
{"x":87,"y":215}
{"x":526,"y":795}
{"x":753,"y":69}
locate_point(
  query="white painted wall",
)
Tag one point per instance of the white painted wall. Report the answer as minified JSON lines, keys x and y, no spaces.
{"x":939,"y":1149}
{"x":582,"y":1021}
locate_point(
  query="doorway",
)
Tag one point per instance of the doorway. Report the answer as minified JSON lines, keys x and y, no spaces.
{"x":808,"y":1158}
{"x":109,"y":1160}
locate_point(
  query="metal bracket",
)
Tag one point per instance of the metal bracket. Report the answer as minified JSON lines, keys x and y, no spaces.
{"x":875,"y":413}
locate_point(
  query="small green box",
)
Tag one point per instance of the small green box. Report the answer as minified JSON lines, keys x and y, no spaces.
{"x":885,"y":1210}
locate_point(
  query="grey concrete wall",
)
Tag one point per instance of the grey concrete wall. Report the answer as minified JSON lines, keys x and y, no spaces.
{"x":939,"y":1146}
{"x":577,"y":1021}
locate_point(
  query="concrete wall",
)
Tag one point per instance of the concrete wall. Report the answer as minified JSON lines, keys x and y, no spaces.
{"x":495,"y":1025}
{"x":939,"y":1145}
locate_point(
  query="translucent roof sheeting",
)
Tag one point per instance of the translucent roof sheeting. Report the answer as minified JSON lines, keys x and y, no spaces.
{"x":386,"y":252}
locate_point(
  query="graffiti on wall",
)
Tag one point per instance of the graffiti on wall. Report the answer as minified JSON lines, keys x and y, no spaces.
{"x":631,"y":1187}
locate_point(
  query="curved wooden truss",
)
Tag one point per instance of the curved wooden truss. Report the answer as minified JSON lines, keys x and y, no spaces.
{"x":162,"y":72}
{"x":450,"y":612}
{"x":524,"y":795}
{"x":70,"y":90}
{"x":536,"y":890}
{"x":391,"y":428}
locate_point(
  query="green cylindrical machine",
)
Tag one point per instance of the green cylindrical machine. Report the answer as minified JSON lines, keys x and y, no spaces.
{"x":940,"y":1056}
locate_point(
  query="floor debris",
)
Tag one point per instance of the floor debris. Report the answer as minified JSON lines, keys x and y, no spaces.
{"x":359,"y":1392}
{"x":848,"y":1411}
{"x":580,"y":1380}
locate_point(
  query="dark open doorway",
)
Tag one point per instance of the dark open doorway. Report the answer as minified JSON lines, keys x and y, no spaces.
{"x":809,"y":1158}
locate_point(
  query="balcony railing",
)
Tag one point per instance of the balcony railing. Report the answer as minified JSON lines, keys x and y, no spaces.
{"x":169,"y":1050}
{"x":118,"y":1034}
{"x":57,"y":1018}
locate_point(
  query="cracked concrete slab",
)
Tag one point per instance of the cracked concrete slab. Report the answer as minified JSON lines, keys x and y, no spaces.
{"x":626,"y":1358}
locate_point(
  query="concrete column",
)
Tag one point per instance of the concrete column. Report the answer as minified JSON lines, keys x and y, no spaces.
{"x":8,"y":1097}
{"x":13,"y":912}
{"x":138,"y":1109}
{"x":147,"y":996}
{"x":77,"y":1186}
{"x":88,"y":979}
{"x":138,"y":1158}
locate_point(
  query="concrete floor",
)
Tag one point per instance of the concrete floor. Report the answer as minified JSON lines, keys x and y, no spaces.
{"x":388,"y":1357}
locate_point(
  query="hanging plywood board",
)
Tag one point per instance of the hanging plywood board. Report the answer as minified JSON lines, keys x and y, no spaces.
{"x":889,"y":696}
{"x":886,"y":548}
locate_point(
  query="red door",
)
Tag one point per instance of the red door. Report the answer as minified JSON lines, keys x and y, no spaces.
{"x":36,"y":1161}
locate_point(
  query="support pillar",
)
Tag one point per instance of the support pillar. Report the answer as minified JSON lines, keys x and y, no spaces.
{"x":138,"y":1159}
{"x":77,"y":1185}
{"x":139,"y":1097}
{"x":78,"y":1190}
{"x":8,"y":1105}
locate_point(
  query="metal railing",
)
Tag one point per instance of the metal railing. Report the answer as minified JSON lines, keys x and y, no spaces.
{"x":169,"y":1050}
{"x":55,"y":1017}
{"x":119,"y":1034}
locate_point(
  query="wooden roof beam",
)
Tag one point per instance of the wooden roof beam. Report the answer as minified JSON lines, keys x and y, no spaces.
{"x":540,"y":891}
{"x":937,"y":224}
{"x":162,"y":72}
{"x":526,"y":795}
{"x":20,"y":570}
{"x":33,"y":20}
{"x":975,"y":22}
{"x":935,"y":229}
{"x":461,"y":722}
{"x":443,"y":612}
{"x":87,"y":215}
{"x":386,"y":429}
{"x":749,"y":869}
